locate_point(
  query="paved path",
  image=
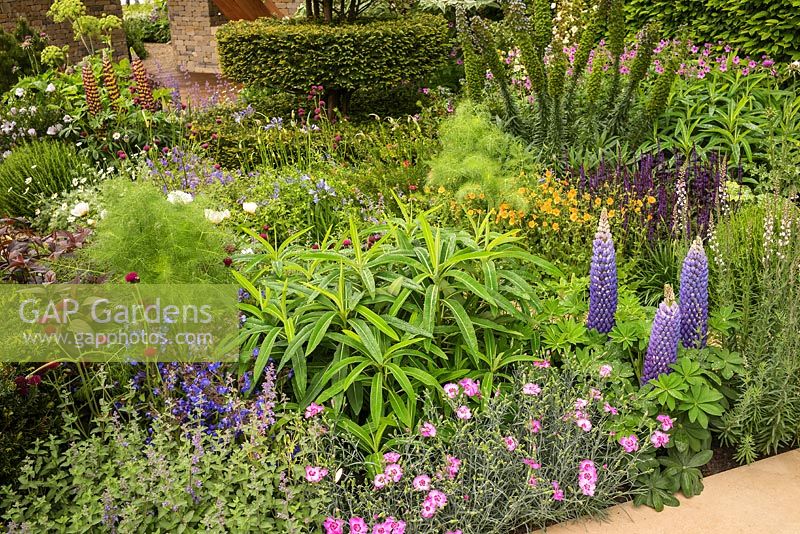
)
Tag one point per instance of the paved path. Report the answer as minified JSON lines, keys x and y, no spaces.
{"x":763,"y":497}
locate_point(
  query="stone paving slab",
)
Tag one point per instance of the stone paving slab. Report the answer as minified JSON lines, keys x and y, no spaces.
{"x":763,"y":497}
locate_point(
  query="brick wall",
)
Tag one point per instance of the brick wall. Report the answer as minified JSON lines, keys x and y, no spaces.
{"x":193,"y":26}
{"x":35,"y":11}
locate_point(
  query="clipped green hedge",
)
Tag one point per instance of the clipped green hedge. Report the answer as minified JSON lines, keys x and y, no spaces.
{"x":295,"y":54}
{"x":754,"y":26}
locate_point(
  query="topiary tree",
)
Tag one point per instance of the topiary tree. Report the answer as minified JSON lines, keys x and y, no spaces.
{"x":293,"y":55}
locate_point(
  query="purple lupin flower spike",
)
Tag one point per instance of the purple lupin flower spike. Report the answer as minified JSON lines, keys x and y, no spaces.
{"x":664,"y":337}
{"x":603,"y":279}
{"x":694,"y":297}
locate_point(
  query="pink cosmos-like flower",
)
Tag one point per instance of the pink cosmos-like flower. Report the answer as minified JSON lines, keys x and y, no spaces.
{"x":391,"y":457}
{"x":558,"y":493}
{"x":584,"y":424}
{"x":666,"y":422}
{"x":610,"y":409}
{"x":530,"y":462}
{"x":427,"y":430}
{"x":659,"y":439}
{"x":381,"y":479}
{"x":395,"y":526}
{"x":358,"y":526}
{"x":510,"y":442}
{"x":333,"y":526}
{"x":453,"y":465}
{"x":464,"y":413}
{"x":629,"y":443}
{"x":587,"y":477}
{"x":422,"y":483}
{"x":315,"y":474}
{"x":394,"y":472}
{"x":451,"y":390}
{"x":471,"y":387}
{"x":536,"y":426}
{"x":438,"y":498}
{"x":531,"y":389}
{"x":313,"y":409}
{"x":428,"y":509}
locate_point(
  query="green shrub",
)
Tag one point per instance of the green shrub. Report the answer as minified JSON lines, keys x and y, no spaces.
{"x":171,"y":477}
{"x":134,"y":35}
{"x":19,"y":53}
{"x":35,"y":172}
{"x":430,"y":302}
{"x":28,"y":411}
{"x":757,"y":27}
{"x":755,"y":267}
{"x":295,"y":54}
{"x":161,"y":241}
{"x":478,"y":157}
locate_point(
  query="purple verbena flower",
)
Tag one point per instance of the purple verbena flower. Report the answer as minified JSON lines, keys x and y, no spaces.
{"x":694,"y":297}
{"x":664,"y":337}
{"x":603,"y":279}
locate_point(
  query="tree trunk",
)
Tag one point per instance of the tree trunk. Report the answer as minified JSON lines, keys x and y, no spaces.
{"x":310,"y":9}
{"x":327,"y":11}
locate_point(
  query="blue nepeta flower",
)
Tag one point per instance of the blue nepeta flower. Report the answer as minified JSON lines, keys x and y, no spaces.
{"x":664,"y":337}
{"x":603,"y":279}
{"x":694,"y":297}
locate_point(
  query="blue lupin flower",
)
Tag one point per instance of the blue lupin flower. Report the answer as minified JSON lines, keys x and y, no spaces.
{"x":694,"y":297}
{"x":662,"y":350}
{"x":602,"y":279}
